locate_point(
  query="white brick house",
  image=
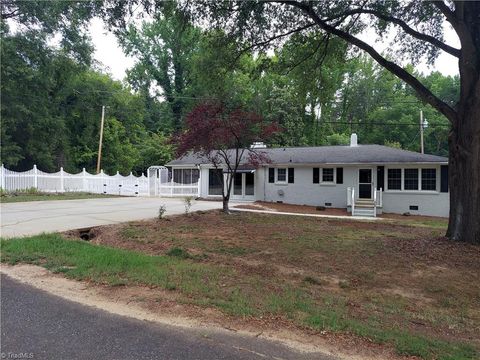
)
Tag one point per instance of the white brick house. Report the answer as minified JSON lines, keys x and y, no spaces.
{"x":372,"y":178}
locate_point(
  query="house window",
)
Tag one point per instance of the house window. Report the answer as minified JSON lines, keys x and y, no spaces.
{"x":394,"y":179}
{"x":410,"y":181}
{"x":177,"y":176}
{"x":195,"y":175}
{"x":429,"y":179}
{"x":281,"y":175}
{"x":327,"y":175}
{"x":215,"y":181}
{"x":185,"y":176}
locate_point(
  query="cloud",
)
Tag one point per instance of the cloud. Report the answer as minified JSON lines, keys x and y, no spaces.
{"x":108,"y":51}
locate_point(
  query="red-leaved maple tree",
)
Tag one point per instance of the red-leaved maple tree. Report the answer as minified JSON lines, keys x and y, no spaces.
{"x":223,"y":136}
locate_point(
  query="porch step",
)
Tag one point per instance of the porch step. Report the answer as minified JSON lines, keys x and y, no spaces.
{"x":365,"y":205}
{"x":364,"y":201}
{"x":364,"y":211}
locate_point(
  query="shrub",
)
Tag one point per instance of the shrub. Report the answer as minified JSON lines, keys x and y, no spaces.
{"x":161,"y":211}
{"x":188,"y":204}
{"x":178,"y":253}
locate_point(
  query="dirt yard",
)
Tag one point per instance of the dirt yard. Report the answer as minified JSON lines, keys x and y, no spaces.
{"x":396,"y":282}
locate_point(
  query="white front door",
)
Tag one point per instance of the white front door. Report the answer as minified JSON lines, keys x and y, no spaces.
{"x":244,"y":186}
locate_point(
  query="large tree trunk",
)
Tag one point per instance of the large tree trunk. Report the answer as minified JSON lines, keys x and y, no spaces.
{"x":464,"y":139}
{"x":464,"y":176}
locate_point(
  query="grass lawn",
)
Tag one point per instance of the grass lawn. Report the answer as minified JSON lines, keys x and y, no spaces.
{"x":38,"y":196}
{"x":397,"y":283}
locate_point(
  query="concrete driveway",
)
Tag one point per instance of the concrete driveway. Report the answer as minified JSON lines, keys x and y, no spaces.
{"x":30,"y":218}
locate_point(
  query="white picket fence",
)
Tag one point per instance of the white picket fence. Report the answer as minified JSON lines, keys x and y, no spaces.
{"x":62,"y":181}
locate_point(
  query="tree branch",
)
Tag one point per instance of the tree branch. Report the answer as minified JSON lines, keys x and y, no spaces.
{"x":423,"y":92}
{"x":305,"y":58}
{"x":9,"y":15}
{"x":268,"y":41}
{"x":409,"y":30}
{"x":447,"y":12}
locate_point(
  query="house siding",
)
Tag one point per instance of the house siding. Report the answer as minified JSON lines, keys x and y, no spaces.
{"x":204,"y":181}
{"x":430,"y":203}
{"x":304,"y":192}
{"x":436,"y":204}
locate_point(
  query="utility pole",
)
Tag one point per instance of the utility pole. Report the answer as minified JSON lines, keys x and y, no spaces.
{"x":421,"y":132}
{"x":99,"y":158}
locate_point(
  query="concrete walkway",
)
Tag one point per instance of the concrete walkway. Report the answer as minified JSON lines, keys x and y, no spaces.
{"x":344,"y":217}
{"x":30,"y":218}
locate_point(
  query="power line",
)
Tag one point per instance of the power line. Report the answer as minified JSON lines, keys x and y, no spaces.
{"x":379,"y":123}
{"x":357,"y":123}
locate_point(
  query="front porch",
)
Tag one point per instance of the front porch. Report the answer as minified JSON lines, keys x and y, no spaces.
{"x":168,"y":182}
{"x":363,"y":203}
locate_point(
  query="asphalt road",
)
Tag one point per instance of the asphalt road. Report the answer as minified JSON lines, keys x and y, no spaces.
{"x":39,"y":325}
{"x":30,"y":218}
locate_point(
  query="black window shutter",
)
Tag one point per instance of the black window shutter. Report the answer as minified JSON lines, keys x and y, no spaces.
{"x":271,"y":175}
{"x":291,"y":175}
{"x":444,"y":178}
{"x":339,"y":175}
{"x":381,"y":177}
{"x":316,"y":175}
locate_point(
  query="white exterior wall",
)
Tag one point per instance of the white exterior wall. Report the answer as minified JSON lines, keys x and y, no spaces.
{"x":261,"y":179}
{"x":204,"y":181}
{"x":430,"y":204}
{"x":304,"y":192}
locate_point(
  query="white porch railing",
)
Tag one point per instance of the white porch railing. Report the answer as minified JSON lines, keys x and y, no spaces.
{"x":351,"y":199}
{"x":377,"y":200}
{"x":178,"y":190}
{"x":161,"y":184}
{"x":63,"y":181}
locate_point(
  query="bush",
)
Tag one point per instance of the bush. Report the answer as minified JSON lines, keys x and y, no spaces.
{"x":179,"y":253}
{"x":161,"y":211}
{"x":188,"y":204}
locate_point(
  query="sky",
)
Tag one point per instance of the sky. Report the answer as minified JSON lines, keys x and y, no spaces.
{"x":111,"y":56}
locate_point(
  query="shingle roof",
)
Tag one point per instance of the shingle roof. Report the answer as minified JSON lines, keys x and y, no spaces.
{"x":342,"y":154}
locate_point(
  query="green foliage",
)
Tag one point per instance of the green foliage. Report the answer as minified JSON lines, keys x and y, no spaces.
{"x":155,"y":149}
{"x":81,"y":260}
{"x":161,"y":211}
{"x":51,"y":107}
{"x":201,"y":284}
{"x":164,"y":49}
{"x":20,"y":196}
{"x":68,"y":20}
{"x":393,"y":144}
{"x":382,"y":110}
{"x":187,"y":202}
{"x":179,"y":253}
{"x":52,"y":98}
{"x":338,"y":139}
